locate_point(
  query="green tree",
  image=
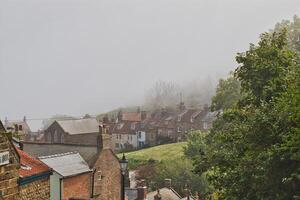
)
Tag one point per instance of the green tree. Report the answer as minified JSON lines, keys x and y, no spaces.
{"x":180,"y":171}
{"x":227,"y":94}
{"x":252,"y":151}
{"x":293,"y":28}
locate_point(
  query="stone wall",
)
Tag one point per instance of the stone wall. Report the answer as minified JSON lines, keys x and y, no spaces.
{"x":8,"y":173}
{"x":55,"y":134}
{"x":36,"y":190}
{"x":107,"y":177}
{"x":77,"y":187}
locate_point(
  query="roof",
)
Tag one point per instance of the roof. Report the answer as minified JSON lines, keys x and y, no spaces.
{"x":45,"y":149}
{"x":23,"y":123}
{"x":131,"y":116}
{"x":124,"y":127}
{"x":79,"y":126}
{"x":166,"y":194}
{"x":210,"y":116}
{"x":30,"y":166}
{"x":66,"y":164}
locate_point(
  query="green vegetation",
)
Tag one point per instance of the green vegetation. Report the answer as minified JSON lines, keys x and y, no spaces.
{"x":167,"y":161}
{"x":158,"y":153}
{"x":253,"y":149}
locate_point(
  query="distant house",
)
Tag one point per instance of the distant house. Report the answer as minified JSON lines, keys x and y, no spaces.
{"x":165,"y":193}
{"x":71,"y":177}
{"x":21,"y":128}
{"x":34,"y":181}
{"x":128,"y":135}
{"x":79,"y":131}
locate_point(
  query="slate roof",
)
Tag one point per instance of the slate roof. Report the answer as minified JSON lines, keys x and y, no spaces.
{"x":166,"y":194}
{"x":79,"y":126}
{"x":30,"y":166}
{"x":66,"y":164}
{"x":44,"y":149}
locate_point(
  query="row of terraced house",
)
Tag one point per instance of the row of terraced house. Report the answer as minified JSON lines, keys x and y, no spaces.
{"x":132,"y":130}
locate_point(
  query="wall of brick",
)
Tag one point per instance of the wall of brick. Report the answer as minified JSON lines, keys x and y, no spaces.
{"x":107,"y":178}
{"x":8,"y":173}
{"x":77,"y":186}
{"x":36,"y":190}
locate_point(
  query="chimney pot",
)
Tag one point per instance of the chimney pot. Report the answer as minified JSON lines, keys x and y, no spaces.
{"x":168,"y":183}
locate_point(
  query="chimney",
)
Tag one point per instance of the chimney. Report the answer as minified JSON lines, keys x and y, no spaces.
{"x":157,"y":196}
{"x":187,"y":193}
{"x":143,"y":115}
{"x":142,"y":193}
{"x":103,"y":138}
{"x":24,"y":119}
{"x":168,"y":183}
{"x":120,"y":116}
{"x":197,"y":197}
{"x":138,"y":110}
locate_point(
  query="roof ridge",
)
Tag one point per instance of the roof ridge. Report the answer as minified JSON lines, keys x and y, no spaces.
{"x":58,"y":155}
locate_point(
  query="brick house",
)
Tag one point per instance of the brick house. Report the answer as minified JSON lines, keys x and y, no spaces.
{"x":8,"y":167}
{"x":20,"y":127}
{"x":71,"y":177}
{"x":34,"y":181}
{"x":128,"y":135}
{"x":78,"y":131}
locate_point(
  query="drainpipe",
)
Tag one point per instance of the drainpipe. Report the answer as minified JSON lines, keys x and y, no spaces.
{"x":60,"y":192}
{"x":93,"y":179}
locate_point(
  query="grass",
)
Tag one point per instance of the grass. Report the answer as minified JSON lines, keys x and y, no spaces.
{"x":157,"y":153}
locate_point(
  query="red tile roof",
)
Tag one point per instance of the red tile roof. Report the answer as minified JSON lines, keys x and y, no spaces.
{"x":30,"y":166}
{"x":131,"y":116}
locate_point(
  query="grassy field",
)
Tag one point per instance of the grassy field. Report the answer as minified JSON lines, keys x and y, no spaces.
{"x":157,"y":153}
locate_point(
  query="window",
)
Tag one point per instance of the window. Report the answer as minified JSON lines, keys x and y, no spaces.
{"x":62,"y":138}
{"x":55,"y":137}
{"x":179,"y":118}
{"x":140,"y":135}
{"x":132,"y":126}
{"x":99,"y":175}
{"x":117,"y":145}
{"x":205,"y":126}
{"x":178,"y":129}
{"x":20,"y":128}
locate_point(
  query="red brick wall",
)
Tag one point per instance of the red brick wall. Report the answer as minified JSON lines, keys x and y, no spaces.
{"x":77,"y":186}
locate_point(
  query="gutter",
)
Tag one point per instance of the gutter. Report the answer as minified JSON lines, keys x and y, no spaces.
{"x":36,"y":177}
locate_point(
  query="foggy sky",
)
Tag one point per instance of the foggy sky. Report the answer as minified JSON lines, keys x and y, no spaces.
{"x":90,"y":56}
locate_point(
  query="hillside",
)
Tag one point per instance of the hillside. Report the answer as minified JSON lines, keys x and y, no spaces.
{"x":157,"y":153}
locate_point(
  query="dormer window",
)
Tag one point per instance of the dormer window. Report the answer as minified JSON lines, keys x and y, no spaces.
{"x":179,"y":118}
{"x":192,"y":119}
{"x":120,"y":126}
{"x":132,"y":126}
{"x":20,"y":128}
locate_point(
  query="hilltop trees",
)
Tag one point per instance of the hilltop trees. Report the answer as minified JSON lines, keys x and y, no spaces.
{"x":252,"y":151}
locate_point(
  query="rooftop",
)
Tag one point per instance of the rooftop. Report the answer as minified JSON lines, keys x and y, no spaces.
{"x":29,"y":165}
{"x":66,"y":164}
{"x":79,"y":126}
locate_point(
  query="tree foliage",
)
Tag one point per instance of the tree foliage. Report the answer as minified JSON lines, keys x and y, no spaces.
{"x":227,"y":94}
{"x":253,"y":149}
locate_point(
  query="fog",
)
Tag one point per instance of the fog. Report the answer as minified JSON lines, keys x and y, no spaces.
{"x":90,"y":56}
